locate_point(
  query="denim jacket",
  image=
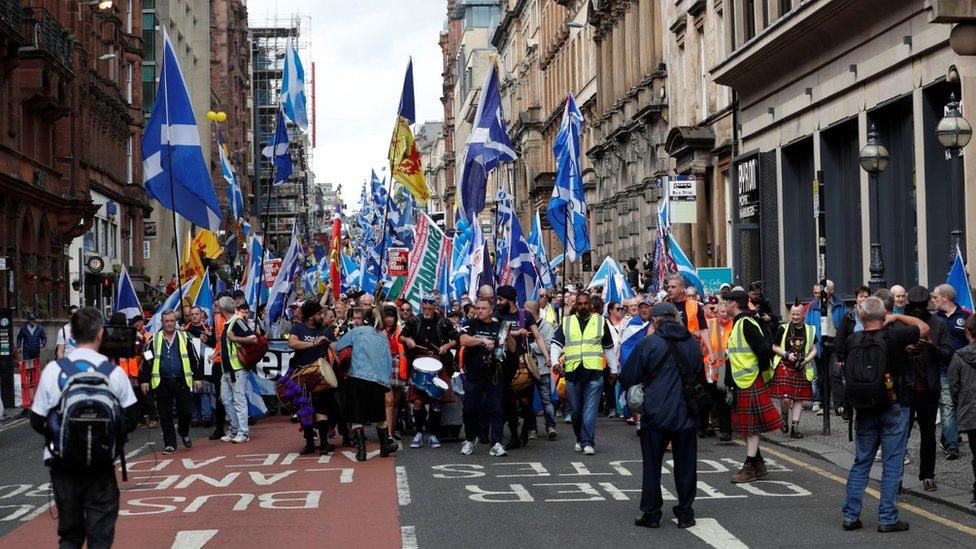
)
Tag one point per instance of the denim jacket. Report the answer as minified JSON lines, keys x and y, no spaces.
{"x":370,"y":354}
{"x":813,"y":317}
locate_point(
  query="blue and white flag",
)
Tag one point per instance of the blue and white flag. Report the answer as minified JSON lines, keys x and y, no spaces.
{"x":278,"y":151}
{"x":567,"y":207}
{"x":557,"y":261}
{"x":488,"y":146}
{"x":460,"y":268}
{"x":253,"y":287}
{"x":685,"y":267}
{"x":958,"y":280}
{"x":293,"y":89}
{"x":126,"y":300}
{"x":174,"y":170}
{"x":547,"y":278}
{"x":520,"y":271}
{"x":283,"y":289}
{"x":503,"y":232}
{"x":172,"y":303}
{"x":476,"y":263}
{"x":235,"y":198}
{"x":602,"y":275}
{"x":253,"y":389}
{"x":617,"y":289}
{"x":352,"y":274}
{"x":634,"y":332}
{"x":205,"y":296}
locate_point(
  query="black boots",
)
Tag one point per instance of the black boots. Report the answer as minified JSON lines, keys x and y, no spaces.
{"x":388,"y":446}
{"x":309,"y":433}
{"x":325,"y":448}
{"x":795,"y":430}
{"x":359,"y":440}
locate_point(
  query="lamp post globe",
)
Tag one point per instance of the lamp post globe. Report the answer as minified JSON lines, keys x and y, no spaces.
{"x":874,"y":157}
{"x":954,"y":131}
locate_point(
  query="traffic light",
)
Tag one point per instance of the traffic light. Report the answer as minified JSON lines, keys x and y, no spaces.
{"x":587,"y":263}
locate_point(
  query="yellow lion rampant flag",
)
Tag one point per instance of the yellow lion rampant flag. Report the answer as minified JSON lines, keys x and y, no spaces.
{"x":404,"y":156}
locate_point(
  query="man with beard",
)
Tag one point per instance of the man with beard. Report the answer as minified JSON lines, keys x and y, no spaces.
{"x":429,"y":334}
{"x":584,"y":339}
{"x":310,"y":343}
{"x":523,"y":324}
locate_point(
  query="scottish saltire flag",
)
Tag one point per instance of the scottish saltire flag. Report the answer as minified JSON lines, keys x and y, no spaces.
{"x":503,"y":233}
{"x":220,"y":286}
{"x":684,"y":265}
{"x":252,"y":393}
{"x":958,"y":280}
{"x":602,"y":275}
{"x":284,"y":286}
{"x":171,"y":303}
{"x":404,"y":156}
{"x":246,"y":229}
{"x":567,"y":207}
{"x":617,"y":289}
{"x":377,"y":190}
{"x":174,"y":170}
{"x":634,"y":332}
{"x":254,"y":289}
{"x":488,"y":146}
{"x":547,"y":278}
{"x":557,"y":261}
{"x":205,"y":295}
{"x":403,"y":220}
{"x":277,"y":150}
{"x":520,"y":271}
{"x":126,"y":300}
{"x":351,"y":274}
{"x":293,"y":89}
{"x":235,"y":198}
{"x":460,"y":249}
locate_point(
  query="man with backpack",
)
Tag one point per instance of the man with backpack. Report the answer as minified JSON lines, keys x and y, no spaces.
{"x":878,"y":389}
{"x":81,"y":388}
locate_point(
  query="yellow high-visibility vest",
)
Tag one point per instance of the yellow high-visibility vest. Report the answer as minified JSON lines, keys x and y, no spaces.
{"x":583,"y":345}
{"x":232,"y":346}
{"x":181,"y":341}
{"x":811,"y":334}
{"x":744,"y":362}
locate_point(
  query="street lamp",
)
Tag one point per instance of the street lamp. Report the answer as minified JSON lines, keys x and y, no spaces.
{"x":874,"y":159}
{"x":954,"y":133}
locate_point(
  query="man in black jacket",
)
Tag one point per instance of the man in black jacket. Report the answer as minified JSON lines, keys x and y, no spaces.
{"x":926,"y":356}
{"x":849,"y":325}
{"x":667,"y":416}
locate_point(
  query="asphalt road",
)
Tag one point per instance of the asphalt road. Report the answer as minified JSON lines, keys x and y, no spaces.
{"x":546,"y":494}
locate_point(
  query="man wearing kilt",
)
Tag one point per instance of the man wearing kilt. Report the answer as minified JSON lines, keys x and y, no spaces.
{"x":747,"y":374}
{"x":795,"y":348}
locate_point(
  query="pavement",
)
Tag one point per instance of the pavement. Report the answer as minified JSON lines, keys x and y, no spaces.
{"x":954,"y":478}
{"x":263,"y":494}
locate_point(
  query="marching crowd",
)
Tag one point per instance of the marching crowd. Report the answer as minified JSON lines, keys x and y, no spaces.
{"x":679,"y":366}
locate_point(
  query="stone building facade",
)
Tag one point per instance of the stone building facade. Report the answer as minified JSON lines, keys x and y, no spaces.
{"x":68,"y":152}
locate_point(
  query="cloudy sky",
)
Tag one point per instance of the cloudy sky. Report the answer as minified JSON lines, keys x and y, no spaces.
{"x":360,"y":50}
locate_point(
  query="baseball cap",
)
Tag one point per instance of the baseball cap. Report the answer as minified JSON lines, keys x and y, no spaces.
{"x":664,"y":308}
{"x":919,"y":294}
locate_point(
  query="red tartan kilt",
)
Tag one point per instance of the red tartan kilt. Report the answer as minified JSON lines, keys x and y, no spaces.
{"x":754,"y":411}
{"x":790,"y":383}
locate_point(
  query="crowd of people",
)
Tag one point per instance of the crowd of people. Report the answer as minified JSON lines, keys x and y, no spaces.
{"x":710,"y":366}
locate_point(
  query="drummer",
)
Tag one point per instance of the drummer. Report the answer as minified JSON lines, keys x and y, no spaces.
{"x":428,"y":335}
{"x":310,"y":342}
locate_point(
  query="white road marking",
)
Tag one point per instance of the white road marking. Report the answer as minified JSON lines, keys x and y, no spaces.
{"x":36,"y":512}
{"x":192,"y":539}
{"x":712,"y":533}
{"x":351,"y":456}
{"x":133,"y":453}
{"x":403,"y":487}
{"x":409,"y":535}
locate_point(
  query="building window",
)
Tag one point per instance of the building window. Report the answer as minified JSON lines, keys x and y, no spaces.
{"x":702,"y":77}
{"x":750,"y":17}
{"x":481,"y":16}
{"x":128,"y":83}
{"x":785,"y":6}
{"x":128,"y":160}
{"x":149,"y":36}
{"x":148,"y":87}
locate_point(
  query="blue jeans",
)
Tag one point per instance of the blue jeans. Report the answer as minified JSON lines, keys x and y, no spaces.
{"x":545,"y":395}
{"x":483,"y":393}
{"x":887,"y":430}
{"x":583,"y":387}
{"x":950,"y":436}
{"x":203,"y":403}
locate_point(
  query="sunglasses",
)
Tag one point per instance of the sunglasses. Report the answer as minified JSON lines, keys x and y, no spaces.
{"x":406,"y":310}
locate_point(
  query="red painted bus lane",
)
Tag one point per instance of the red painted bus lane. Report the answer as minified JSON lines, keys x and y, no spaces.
{"x":258,"y":494}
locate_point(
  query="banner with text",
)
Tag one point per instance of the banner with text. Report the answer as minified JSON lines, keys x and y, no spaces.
{"x":426,"y":259}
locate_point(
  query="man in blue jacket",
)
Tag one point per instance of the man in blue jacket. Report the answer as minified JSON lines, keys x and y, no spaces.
{"x":667,"y":416}
{"x":825,"y":314}
{"x":31,"y":339}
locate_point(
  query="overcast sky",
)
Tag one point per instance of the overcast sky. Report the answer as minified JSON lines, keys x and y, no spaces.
{"x":360,"y":50}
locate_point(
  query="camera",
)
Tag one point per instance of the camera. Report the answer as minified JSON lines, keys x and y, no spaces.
{"x":119,"y":342}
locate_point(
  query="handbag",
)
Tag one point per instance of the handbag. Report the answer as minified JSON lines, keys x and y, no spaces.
{"x":696,"y":397}
{"x":635,"y":393}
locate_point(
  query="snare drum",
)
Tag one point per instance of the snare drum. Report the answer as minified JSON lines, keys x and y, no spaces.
{"x":437,"y":388}
{"x":425,"y":370}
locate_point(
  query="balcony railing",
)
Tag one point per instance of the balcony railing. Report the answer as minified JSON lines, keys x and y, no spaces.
{"x":11,"y":17}
{"x":46,"y":36}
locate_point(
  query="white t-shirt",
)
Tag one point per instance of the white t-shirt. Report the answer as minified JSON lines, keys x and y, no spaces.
{"x":49,"y":388}
{"x":64,"y":338}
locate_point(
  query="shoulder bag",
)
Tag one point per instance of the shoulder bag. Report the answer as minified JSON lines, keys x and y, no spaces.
{"x":696,"y":397}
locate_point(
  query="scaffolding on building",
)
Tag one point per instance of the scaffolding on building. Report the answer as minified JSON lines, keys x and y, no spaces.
{"x":288,"y":201}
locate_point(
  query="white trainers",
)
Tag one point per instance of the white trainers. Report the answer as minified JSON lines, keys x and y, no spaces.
{"x":577,"y":447}
{"x":497,"y":450}
{"x":418,"y":440}
{"x":588,"y":450}
{"x":434,"y":441}
{"x":227,"y":438}
{"x":240,"y":439}
{"x":468,"y":447}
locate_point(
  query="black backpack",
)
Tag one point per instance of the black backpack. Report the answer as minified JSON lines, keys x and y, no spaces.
{"x":864,"y":371}
{"x":86,"y":430}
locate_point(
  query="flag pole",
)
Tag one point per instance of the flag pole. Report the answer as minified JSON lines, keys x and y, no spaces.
{"x":386,"y":215}
{"x":172,"y":190}
{"x":267,"y":209}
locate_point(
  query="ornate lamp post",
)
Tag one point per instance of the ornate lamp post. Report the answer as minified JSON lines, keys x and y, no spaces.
{"x":874,"y":159}
{"x":954,"y":133}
